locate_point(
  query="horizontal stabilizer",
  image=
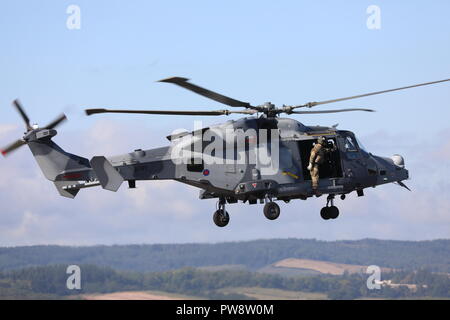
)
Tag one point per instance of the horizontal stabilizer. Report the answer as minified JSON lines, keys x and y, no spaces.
{"x":107,"y":175}
{"x":68,"y":193}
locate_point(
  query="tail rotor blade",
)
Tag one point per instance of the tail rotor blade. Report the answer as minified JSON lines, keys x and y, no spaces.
{"x":13,"y":146}
{"x":22,"y":112}
{"x":18,"y":143}
{"x":56,"y":122}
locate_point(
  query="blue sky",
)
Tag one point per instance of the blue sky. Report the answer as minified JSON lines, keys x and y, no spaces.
{"x":287,"y":52}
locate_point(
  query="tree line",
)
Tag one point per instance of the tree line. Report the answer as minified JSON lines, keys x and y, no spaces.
{"x":49,"y":282}
{"x":433,"y":255}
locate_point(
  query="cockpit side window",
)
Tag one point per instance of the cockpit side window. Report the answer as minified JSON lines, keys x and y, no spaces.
{"x":350,"y":145}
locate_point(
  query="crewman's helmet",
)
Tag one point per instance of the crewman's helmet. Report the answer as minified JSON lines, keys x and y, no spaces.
{"x":322,"y":140}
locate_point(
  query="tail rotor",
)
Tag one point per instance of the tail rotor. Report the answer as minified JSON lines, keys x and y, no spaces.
{"x":20,"y":142}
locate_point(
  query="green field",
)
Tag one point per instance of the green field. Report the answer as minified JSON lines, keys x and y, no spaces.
{"x":136,"y":295}
{"x":273,"y":294}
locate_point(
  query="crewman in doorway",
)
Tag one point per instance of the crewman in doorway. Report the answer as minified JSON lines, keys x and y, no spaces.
{"x":316,"y":158}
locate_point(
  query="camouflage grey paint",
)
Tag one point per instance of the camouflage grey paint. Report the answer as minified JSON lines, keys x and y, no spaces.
{"x":230,"y":181}
{"x":55,"y":163}
{"x":109,"y":178}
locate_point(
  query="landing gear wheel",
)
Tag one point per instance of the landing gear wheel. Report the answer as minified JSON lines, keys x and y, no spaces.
{"x":329,"y":213}
{"x":221,"y":218}
{"x":324,"y":213}
{"x":271,"y":210}
{"x":333,"y":212}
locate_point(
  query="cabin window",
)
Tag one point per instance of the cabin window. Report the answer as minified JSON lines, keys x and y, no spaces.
{"x":195,"y":165}
{"x":285,"y":158}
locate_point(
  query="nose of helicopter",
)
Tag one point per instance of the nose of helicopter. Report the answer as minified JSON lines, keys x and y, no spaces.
{"x":398,"y":160}
{"x":391,"y":169}
{"x":401,"y":173}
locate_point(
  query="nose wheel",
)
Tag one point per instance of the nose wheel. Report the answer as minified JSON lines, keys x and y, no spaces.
{"x":221,"y":217}
{"x":329,"y":211}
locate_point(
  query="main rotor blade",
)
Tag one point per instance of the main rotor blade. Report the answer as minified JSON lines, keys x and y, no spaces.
{"x":170,"y":112}
{"x":332,"y":111}
{"x":56,"y":122}
{"x":312,"y":104}
{"x":183,"y":82}
{"x":20,"y":109}
{"x":12,"y":147}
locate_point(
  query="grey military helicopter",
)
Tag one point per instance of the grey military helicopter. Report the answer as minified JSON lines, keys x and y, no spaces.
{"x":348,"y":167}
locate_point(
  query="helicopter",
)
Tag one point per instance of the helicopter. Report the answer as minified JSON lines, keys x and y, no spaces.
{"x":261,"y":157}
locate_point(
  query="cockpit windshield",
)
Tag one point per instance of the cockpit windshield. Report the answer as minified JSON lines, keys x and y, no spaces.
{"x":361,"y":146}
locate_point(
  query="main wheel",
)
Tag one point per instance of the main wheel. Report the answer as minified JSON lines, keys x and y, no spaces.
{"x":271,"y":210}
{"x":221,"y":218}
{"x":325,"y":213}
{"x":333,"y":212}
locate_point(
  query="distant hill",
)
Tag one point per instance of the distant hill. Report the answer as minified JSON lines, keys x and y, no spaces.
{"x":252,"y":255}
{"x":292,"y":266}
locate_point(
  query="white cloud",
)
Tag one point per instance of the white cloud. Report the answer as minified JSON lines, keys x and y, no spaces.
{"x":6,"y":129}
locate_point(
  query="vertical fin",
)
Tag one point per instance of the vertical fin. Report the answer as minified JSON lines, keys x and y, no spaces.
{"x":52,"y":159}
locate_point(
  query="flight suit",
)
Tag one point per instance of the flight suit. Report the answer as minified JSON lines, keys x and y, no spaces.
{"x":316,"y":158}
